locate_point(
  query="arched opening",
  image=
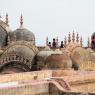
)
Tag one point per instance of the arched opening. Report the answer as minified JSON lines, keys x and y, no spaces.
{"x":13,"y":67}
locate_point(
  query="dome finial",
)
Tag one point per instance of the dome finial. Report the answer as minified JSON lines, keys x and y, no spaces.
{"x":88,"y":42}
{"x":21,"y":21}
{"x":7,"y":20}
{"x":57,"y":41}
{"x":77,"y":38}
{"x":47,"y":41}
{"x":69,"y":37}
{"x":73,"y":36}
{"x":81,"y":41}
{"x":65,"y":41}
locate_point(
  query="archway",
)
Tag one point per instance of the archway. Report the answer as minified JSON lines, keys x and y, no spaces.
{"x":13,"y":67}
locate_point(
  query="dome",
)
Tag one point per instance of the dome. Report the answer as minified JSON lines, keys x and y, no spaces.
{"x":41,"y":57}
{"x":20,"y":54}
{"x":58,"y":61}
{"x":79,"y":56}
{"x":22,"y":34}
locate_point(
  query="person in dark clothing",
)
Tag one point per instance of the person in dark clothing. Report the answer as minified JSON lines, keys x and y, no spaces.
{"x":62,"y":45}
{"x":49,"y":44}
{"x":54,"y":43}
{"x":93,"y":42}
{"x":93,"y":45}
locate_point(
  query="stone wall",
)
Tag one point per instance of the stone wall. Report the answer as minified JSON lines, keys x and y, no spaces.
{"x":26,"y":76}
{"x":84,"y":87}
{"x":85,"y":83}
{"x":28,"y":89}
{"x":37,"y":89}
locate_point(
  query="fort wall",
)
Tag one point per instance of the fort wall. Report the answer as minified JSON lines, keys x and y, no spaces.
{"x":49,"y":82}
{"x":26,"y":76}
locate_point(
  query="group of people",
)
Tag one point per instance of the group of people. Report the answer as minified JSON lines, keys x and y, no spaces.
{"x":54,"y":44}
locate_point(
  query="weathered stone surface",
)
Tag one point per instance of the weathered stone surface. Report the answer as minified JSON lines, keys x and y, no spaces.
{"x":22,"y":34}
{"x":4,"y":29}
{"x":41,"y":58}
{"x":21,"y":52}
{"x":85,"y":83}
{"x":26,"y":89}
{"x":80,"y":57}
{"x":40,"y":75}
{"x":58,"y":61}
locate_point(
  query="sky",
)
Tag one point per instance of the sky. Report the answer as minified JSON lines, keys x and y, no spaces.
{"x":52,"y":18}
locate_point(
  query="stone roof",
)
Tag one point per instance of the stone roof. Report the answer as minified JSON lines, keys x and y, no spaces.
{"x":58,"y":61}
{"x":21,"y":51}
{"x":22,"y":34}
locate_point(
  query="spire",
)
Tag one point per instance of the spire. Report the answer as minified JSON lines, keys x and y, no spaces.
{"x":21,"y":21}
{"x":65,"y":41}
{"x":88,"y":43}
{"x":81,"y":41}
{"x":7,"y":20}
{"x":57,"y":41}
{"x":46,"y":41}
{"x":73,"y":36}
{"x":77,"y":38}
{"x":69,"y":37}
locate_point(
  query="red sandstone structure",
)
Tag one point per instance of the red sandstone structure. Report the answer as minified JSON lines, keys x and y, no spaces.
{"x":26,"y":69}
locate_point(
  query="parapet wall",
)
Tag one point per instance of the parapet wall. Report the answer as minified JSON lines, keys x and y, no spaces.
{"x":79,"y":81}
{"x":42,"y":88}
{"x":26,"y":76}
{"x":28,"y":89}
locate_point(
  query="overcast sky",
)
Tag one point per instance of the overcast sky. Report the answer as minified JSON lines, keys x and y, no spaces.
{"x":51,"y":18}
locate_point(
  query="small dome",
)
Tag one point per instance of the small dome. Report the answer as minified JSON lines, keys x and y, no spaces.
{"x":58,"y":61}
{"x":79,"y":56}
{"x":22,"y":34}
{"x":41,"y":57}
